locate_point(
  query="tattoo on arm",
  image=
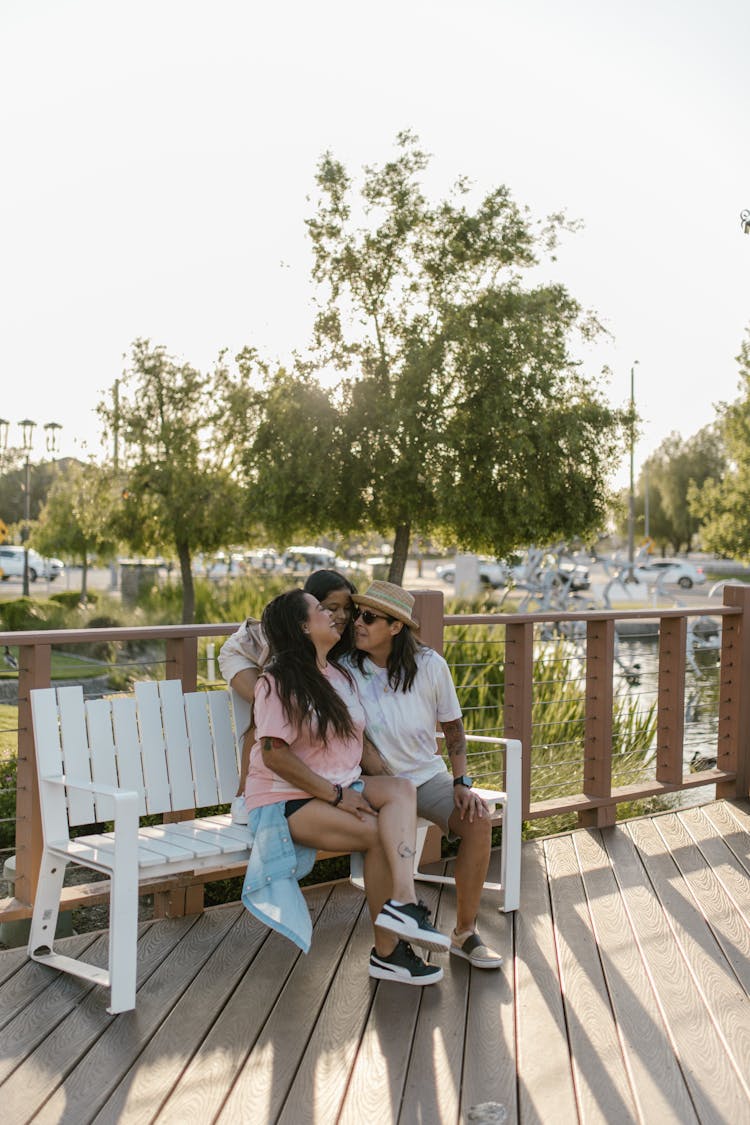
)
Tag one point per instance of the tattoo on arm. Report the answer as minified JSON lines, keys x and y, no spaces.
{"x":455,"y":738}
{"x":405,"y":851}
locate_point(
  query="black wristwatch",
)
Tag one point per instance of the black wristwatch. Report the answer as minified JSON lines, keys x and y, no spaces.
{"x":467,"y":782}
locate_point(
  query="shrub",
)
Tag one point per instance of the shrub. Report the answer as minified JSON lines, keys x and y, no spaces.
{"x":7,"y":801}
{"x":29,"y":613}
{"x":71,"y":599}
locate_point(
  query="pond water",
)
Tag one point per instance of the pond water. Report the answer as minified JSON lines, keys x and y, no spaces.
{"x":637,"y":676}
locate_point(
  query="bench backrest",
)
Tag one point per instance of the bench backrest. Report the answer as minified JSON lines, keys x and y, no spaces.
{"x":177,"y":751}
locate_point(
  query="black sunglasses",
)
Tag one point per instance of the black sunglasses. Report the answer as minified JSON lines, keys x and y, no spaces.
{"x":368,"y":616}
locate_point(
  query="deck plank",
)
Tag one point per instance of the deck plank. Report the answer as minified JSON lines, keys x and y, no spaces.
{"x":133,"y":1083}
{"x":319,"y":1086}
{"x":656,"y":1079}
{"x":33,"y":979}
{"x":624,"y":997}
{"x":264,"y":1082}
{"x":545,"y":1079}
{"x":381,"y":1066}
{"x":489,"y":1073}
{"x":432,"y":1086}
{"x":601,"y":1080}
{"x":686,"y":962}
{"x":207,"y":1080}
{"x":86,"y":1046}
{"x":723,"y":817}
{"x":722,"y":891}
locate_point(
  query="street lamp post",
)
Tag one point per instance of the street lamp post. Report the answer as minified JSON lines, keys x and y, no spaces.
{"x":631,"y":498}
{"x":52,"y":431}
{"x":27,"y":436}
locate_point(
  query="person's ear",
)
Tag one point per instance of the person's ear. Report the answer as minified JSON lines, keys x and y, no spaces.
{"x":396,"y":627}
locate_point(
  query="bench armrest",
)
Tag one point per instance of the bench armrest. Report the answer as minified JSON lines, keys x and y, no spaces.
{"x":98,"y":787}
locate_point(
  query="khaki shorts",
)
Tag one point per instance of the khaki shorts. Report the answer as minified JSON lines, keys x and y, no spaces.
{"x":435,"y":801}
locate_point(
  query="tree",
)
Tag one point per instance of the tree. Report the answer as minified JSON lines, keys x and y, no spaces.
{"x":76,"y":519}
{"x":722,"y":502}
{"x":461,"y":410}
{"x":288,"y":461}
{"x":678,"y":465}
{"x":12,"y":485}
{"x":179,"y":429}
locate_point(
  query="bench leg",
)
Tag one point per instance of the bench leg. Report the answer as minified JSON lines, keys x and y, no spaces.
{"x":123,"y":939}
{"x":46,"y":905}
{"x":423,"y":827}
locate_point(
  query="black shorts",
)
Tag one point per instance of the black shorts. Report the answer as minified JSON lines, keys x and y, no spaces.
{"x":292,"y":806}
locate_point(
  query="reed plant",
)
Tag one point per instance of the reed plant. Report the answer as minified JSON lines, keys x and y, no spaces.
{"x":476,"y":655}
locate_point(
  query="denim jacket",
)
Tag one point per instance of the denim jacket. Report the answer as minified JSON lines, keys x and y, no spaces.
{"x":271,"y":889}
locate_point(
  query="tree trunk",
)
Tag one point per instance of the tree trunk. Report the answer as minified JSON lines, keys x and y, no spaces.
{"x":84,"y":576}
{"x":400,"y":553}
{"x":188,"y":589}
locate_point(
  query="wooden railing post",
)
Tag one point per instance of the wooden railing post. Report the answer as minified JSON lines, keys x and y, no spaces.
{"x":182,"y":661}
{"x":733,"y":746}
{"x":519,"y":677}
{"x":670,"y":722}
{"x":34,"y":671}
{"x":182,"y":664}
{"x":428,"y":611}
{"x":597,"y":756}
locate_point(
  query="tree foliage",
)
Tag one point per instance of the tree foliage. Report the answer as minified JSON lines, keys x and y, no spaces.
{"x":76,"y":519}
{"x":461,"y":410}
{"x":179,"y":431}
{"x":722,"y":501}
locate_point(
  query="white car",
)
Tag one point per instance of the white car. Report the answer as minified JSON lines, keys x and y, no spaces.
{"x":304,"y":560}
{"x":684,"y":573}
{"x":491,"y":572}
{"x":11,"y":564}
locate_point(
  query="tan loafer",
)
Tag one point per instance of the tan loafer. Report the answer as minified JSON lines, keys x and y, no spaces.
{"x":473,"y":950}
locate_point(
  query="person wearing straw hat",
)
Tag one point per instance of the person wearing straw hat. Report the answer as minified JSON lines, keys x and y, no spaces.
{"x":407,"y":690}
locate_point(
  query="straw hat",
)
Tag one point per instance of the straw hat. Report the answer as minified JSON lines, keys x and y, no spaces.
{"x":390,"y":599}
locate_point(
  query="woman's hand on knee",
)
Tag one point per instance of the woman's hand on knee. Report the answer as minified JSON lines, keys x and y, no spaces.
{"x":356,"y":804}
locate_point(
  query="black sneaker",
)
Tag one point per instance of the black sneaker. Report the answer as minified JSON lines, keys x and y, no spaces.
{"x":404,"y":966}
{"x":412,"y":921}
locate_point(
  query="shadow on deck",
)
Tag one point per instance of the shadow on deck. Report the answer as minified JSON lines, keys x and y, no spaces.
{"x":624,"y":997}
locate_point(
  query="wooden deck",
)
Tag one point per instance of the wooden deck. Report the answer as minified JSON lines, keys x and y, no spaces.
{"x":624,"y":997}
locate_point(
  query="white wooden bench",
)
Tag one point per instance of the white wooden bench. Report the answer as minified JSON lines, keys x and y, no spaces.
{"x":154,"y":752}
{"x":161,"y":751}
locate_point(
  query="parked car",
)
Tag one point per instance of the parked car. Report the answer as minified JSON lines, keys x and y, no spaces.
{"x":304,"y":560}
{"x":11,"y":564}
{"x":684,"y":573}
{"x":492,"y":572}
{"x":262,"y":558}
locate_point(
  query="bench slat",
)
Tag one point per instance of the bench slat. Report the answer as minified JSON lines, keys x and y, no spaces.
{"x":103,"y":755}
{"x":225,"y":746}
{"x":128,"y":743}
{"x":152,"y":748}
{"x":201,"y":749}
{"x":76,"y":754}
{"x":182,"y":789}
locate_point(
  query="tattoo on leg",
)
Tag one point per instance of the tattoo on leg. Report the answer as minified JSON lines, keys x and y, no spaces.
{"x":405,"y":851}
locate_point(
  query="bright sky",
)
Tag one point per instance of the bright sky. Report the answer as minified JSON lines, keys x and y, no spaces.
{"x":157,"y":156}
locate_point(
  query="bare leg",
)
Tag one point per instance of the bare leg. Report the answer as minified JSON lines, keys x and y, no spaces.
{"x":471,"y":867}
{"x":395,"y":800}
{"x":320,"y":826}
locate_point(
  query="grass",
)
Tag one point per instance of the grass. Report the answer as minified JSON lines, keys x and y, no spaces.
{"x":65,"y":666}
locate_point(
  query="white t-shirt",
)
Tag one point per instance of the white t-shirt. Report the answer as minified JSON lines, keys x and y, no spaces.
{"x":402,"y":724}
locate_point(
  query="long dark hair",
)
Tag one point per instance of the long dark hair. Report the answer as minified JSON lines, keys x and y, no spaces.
{"x":402,"y":659}
{"x":320,"y":584}
{"x":303,"y":689}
